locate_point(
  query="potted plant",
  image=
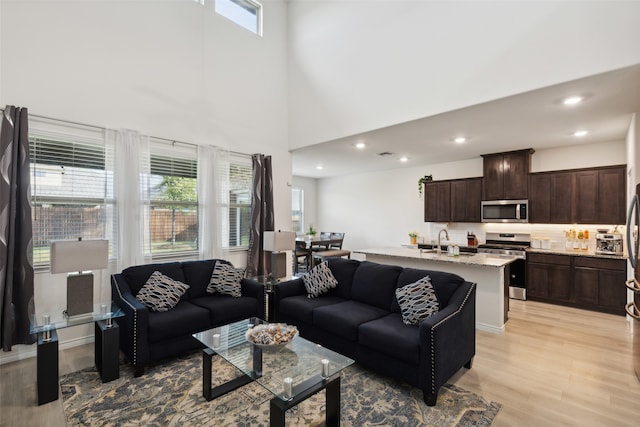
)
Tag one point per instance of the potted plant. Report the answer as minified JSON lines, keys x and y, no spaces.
{"x":312,"y":231}
{"x":413,"y":236}
{"x":422,"y":181}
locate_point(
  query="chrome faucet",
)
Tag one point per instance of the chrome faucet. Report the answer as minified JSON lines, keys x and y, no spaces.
{"x":446,"y":233}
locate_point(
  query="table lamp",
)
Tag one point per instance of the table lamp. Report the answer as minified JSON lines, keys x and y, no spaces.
{"x":78,"y":257}
{"x":278,"y":242}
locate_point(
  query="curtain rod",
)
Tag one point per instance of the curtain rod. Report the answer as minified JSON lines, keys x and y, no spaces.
{"x":104,"y":129}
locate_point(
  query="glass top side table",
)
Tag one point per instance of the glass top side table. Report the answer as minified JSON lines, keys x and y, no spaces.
{"x":269,"y":284}
{"x":107,"y":345}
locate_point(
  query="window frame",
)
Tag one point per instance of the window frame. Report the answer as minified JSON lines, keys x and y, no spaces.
{"x":249,"y":5}
{"x":244,"y":161}
{"x":162,"y":152}
{"x":69,"y":141}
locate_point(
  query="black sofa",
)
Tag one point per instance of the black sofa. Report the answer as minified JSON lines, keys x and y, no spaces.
{"x":361,"y":318}
{"x":147,"y":336}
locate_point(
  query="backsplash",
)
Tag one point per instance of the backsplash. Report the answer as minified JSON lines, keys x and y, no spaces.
{"x":554,"y":232}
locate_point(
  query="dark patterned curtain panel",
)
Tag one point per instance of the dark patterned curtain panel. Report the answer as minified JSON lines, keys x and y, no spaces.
{"x":261,"y":215}
{"x":16,"y":258}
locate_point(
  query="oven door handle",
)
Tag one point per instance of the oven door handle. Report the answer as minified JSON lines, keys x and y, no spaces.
{"x":630,"y":309}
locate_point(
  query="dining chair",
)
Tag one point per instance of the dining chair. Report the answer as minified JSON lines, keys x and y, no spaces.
{"x":301,"y":251}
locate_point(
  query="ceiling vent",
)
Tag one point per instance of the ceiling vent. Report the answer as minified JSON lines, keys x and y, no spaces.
{"x":384,"y":153}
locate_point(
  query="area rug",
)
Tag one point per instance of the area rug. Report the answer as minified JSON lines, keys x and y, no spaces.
{"x":170,"y":394}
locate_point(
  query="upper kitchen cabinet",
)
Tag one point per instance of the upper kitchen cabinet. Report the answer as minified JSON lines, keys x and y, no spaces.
{"x":583,"y":196}
{"x":551,"y":197}
{"x":437,"y":201}
{"x":506,"y":175}
{"x":600,"y":196}
{"x":466,"y":198}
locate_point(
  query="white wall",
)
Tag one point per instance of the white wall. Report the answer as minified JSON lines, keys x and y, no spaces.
{"x":356,"y":66}
{"x":171,"y":69}
{"x":381,"y":208}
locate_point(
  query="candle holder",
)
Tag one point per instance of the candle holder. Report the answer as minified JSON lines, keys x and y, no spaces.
{"x":216,"y":340}
{"x":325,"y":368}
{"x":288,"y":388}
{"x":46,"y":335}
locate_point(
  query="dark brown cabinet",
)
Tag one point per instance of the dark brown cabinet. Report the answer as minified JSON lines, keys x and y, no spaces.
{"x":551,"y":197}
{"x":506,"y":175}
{"x":580,"y":281}
{"x":549,"y":277}
{"x":466,"y":197}
{"x":584,"y":196}
{"x":611,"y":195}
{"x":437,"y":201}
{"x":599,"y":283}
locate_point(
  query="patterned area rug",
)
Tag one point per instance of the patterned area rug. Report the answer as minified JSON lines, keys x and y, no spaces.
{"x":170,"y":394}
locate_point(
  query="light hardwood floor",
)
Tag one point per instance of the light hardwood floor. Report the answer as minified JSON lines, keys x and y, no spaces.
{"x":554,"y":366}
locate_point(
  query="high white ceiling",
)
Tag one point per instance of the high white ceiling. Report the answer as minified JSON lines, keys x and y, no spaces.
{"x":536,"y":119}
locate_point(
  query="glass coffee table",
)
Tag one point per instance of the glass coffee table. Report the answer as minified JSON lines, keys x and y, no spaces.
{"x":292,"y":373}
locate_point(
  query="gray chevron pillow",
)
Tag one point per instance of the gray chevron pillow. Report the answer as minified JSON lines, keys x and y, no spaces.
{"x":226,"y":279}
{"x":161,"y":293}
{"x":417,"y":301}
{"x":319,"y":280}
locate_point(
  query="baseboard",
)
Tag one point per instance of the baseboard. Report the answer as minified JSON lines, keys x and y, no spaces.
{"x":489,"y":328}
{"x":22,"y":351}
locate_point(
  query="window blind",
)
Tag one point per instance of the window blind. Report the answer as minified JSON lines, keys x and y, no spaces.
{"x":69,"y":186}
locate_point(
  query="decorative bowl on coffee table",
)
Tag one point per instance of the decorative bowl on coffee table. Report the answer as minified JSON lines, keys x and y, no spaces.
{"x":271,"y":335}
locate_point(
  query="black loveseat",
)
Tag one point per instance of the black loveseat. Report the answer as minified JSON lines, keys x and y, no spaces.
{"x":361,"y":318}
{"x":147,"y":336}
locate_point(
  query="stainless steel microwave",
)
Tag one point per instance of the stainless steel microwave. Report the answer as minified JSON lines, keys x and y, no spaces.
{"x":505,"y":211}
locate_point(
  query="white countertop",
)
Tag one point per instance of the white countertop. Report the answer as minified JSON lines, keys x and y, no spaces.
{"x":485,"y":260}
{"x":575,"y":252}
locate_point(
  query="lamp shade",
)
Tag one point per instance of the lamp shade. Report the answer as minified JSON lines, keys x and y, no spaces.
{"x":79,"y":255}
{"x":277,"y":241}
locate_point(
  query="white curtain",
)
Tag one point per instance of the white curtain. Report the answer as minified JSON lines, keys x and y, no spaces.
{"x":131,"y":169}
{"x":213,"y":185}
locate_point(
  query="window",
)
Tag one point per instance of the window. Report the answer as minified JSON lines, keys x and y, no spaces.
{"x":297,"y":210}
{"x":70,"y":190}
{"x":173,"y":220}
{"x":238,"y":207}
{"x":246,"y":13}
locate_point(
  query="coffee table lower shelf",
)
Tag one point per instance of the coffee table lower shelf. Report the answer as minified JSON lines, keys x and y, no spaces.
{"x":277,"y":406}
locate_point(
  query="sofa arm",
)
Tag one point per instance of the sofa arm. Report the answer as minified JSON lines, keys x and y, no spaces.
{"x":134,"y":326}
{"x":286,"y":289}
{"x":254,"y":289}
{"x":448,"y":340}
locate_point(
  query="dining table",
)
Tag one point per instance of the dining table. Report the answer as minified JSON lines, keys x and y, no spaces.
{"x":316,"y":243}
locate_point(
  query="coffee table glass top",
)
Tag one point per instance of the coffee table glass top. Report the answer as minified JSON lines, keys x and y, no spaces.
{"x":285,"y":371}
{"x":57,"y":319}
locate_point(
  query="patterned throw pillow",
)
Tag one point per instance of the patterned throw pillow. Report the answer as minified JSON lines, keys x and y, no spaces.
{"x":319,"y":280}
{"x":161,"y":293}
{"x":417,"y":301}
{"x":226,"y":279}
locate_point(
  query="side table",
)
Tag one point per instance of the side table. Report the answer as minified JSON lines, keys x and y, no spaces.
{"x":269,"y":283}
{"x":107,"y":345}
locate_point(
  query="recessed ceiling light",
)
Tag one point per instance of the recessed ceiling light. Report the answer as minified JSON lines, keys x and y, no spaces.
{"x":580,"y":133}
{"x":460,"y":139}
{"x":319,"y":167}
{"x":360,"y":145}
{"x":404,"y":159}
{"x":572,"y":100}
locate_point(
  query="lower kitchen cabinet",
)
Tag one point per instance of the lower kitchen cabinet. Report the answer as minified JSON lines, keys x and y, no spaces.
{"x":549,"y":277}
{"x":579,"y":281}
{"x":599,"y":283}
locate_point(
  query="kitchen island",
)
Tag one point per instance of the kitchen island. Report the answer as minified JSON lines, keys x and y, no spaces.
{"x":490,"y":272}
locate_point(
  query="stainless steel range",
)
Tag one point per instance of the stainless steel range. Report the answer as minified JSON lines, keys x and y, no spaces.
{"x":512,"y":244}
